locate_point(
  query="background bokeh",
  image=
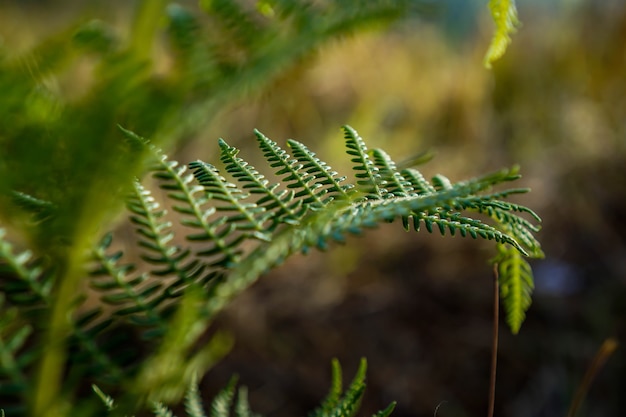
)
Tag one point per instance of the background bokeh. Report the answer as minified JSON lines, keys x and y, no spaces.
{"x":418,"y":306}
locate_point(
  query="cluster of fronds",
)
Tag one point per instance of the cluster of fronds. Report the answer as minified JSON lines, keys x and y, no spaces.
{"x":145,"y":336}
{"x":229,"y":403}
{"x":237,"y":232}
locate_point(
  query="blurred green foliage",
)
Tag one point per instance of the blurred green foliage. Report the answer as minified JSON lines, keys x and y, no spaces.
{"x":62,"y":147}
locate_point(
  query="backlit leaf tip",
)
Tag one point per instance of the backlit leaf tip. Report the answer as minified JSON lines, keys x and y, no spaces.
{"x":504,"y":15}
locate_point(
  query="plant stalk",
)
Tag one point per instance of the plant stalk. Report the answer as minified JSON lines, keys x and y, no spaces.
{"x":603,"y":354}
{"x":147,"y":20}
{"x":49,"y":379}
{"x":494,"y":342}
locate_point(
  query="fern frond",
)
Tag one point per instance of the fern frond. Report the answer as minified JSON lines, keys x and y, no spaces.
{"x":96,"y":356}
{"x":516,"y":285}
{"x":242,"y":408}
{"x":288,"y":168}
{"x":349,"y":404}
{"x":396,"y":184}
{"x":193,"y":401}
{"x":15,"y":358}
{"x":247,"y":217}
{"x":322,"y":173}
{"x":161,"y":410}
{"x":466,"y":226}
{"x":499,"y":210}
{"x":223,"y":401}
{"x":504,"y":14}
{"x":155,"y":236}
{"x":107,"y":400}
{"x":369,"y":179}
{"x":334,"y":394}
{"x":40,"y":209}
{"x":314,"y":210}
{"x":281,"y":202}
{"x":191,"y":201}
{"x":331,"y":222}
{"x":25,"y":282}
{"x":126,"y":293}
{"x":417,"y":181}
{"x":503,"y":212}
{"x":12,"y":340}
{"x":224,"y":404}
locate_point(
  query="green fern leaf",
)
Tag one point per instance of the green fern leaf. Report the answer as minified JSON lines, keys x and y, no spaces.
{"x":15,"y":358}
{"x":516,"y":285}
{"x":26,"y":283}
{"x":334,"y":395}
{"x":107,"y":400}
{"x":323,"y":175}
{"x":280,"y":202}
{"x":466,"y":226}
{"x":504,"y":14}
{"x":40,"y":209}
{"x":315,"y":209}
{"x":193,"y":401}
{"x":417,"y":181}
{"x":155,"y":235}
{"x":349,"y":404}
{"x":99,"y":360}
{"x":369,"y":179}
{"x":191,"y":200}
{"x":28,"y":286}
{"x":127,"y":294}
{"x":242,"y":407}
{"x":396,"y":184}
{"x":161,"y":410}
{"x":352,"y":216}
{"x":223,"y":401}
{"x":247,"y":217}
{"x":290,"y":170}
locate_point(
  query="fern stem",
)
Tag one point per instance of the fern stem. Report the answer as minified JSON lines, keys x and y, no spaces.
{"x":147,"y":21}
{"x":46,"y":399}
{"x":494,"y":342}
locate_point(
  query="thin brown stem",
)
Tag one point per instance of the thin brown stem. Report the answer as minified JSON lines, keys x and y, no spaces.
{"x":494,"y":342}
{"x":605,"y":351}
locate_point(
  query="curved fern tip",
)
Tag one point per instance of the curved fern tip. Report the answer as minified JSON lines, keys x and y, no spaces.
{"x":349,"y":130}
{"x":504,"y":15}
{"x":129,"y":134}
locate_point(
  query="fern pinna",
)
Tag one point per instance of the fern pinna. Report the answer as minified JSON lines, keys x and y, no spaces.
{"x":239,"y":225}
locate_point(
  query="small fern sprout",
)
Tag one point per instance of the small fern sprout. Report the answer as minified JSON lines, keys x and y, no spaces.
{"x":107,"y":400}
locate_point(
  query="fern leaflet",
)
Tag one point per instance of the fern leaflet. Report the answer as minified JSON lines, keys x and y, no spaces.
{"x":516,"y":285}
{"x":368,"y":178}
